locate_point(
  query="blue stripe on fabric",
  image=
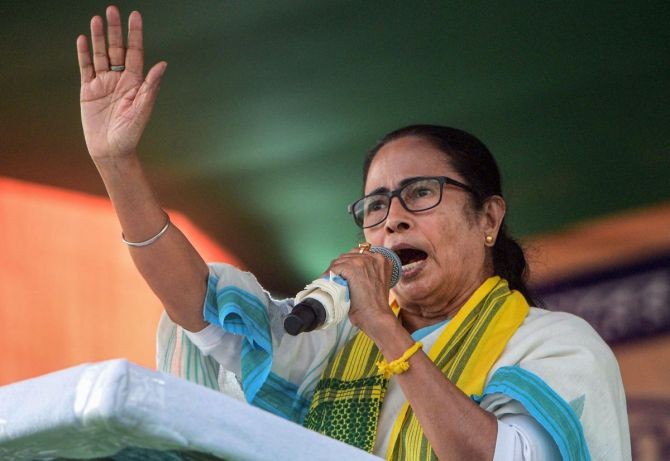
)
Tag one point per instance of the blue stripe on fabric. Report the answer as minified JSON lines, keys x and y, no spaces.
{"x":239,"y":316}
{"x":281,"y":397}
{"x":210,"y":309}
{"x":421,"y":333}
{"x":543,"y":404}
{"x":239,"y":312}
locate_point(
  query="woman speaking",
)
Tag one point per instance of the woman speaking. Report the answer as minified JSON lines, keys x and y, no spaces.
{"x":451,"y":363}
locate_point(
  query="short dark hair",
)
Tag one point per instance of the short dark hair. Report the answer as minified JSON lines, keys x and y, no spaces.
{"x":475,"y":164}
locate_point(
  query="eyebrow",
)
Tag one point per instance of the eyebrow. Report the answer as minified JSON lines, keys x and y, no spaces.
{"x":403,"y":182}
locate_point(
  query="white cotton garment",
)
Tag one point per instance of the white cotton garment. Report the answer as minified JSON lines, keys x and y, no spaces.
{"x":522,"y":438}
{"x":224,"y":348}
{"x":560,"y":350}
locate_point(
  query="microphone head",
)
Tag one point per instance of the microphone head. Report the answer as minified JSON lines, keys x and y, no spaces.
{"x":395,"y":260}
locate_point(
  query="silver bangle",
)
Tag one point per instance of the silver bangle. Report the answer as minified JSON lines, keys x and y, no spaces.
{"x":151,"y":240}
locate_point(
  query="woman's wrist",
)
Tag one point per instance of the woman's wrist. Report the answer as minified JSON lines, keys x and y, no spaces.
{"x":375,"y":321}
{"x":389,"y":335}
{"x":115,"y":161}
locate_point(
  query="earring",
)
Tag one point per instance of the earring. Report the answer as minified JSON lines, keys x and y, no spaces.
{"x":489,"y":239}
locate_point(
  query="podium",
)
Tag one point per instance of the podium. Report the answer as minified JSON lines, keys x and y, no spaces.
{"x":118,"y":410}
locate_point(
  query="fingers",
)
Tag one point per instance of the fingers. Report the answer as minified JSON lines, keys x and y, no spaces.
{"x":116,"y":54}
{"x":152,"y":82}
{"x":84,"y":58}
{"x":100,"y":61}
{"x":135,"y":52}
{"x":372,"y":265}
{"x":146,"y":95}
{"x":116,"y":51}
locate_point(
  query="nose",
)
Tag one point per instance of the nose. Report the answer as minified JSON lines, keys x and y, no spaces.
{"x":398,"y":219}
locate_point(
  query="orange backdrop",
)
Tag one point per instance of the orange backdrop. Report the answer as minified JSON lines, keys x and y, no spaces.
{"x":69,"y":292}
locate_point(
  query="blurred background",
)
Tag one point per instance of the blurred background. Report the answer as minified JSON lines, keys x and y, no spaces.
{"x":256,"y":147}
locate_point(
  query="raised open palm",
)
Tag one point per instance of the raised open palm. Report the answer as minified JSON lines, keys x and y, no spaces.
{"x":116,"y":98}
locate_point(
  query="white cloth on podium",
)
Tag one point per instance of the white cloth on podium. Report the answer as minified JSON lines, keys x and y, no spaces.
{"x":95,"y":410}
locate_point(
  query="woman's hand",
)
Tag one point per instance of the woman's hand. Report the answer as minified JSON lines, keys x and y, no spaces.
{"x":115,"y":105}
{"x":369,"y":276}
{"x":115,"y":108}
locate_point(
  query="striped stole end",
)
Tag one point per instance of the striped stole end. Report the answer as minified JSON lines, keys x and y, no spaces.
{"x":347,"y":401}
{"x":348,"y":398}
{"x":465,"y":352}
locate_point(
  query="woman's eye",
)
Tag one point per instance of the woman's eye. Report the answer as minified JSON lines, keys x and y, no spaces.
{"x":422,"y":192}
{"x":375,"y":206}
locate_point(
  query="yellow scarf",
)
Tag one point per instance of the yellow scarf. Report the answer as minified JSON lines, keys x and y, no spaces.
{"x":348,"y":398}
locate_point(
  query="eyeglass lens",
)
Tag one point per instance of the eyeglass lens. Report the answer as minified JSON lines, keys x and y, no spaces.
{"x":416,"y":196}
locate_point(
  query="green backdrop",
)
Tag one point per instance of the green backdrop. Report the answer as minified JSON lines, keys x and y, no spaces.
{"x":267,"y":108}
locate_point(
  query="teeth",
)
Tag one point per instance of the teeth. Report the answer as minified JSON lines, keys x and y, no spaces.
{"x":410,"y":266}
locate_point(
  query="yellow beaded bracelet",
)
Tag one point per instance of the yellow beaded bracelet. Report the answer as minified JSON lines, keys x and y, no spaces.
{"x":399,"y":365}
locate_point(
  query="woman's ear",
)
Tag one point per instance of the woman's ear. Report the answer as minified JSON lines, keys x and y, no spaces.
{"x":491,"y":218}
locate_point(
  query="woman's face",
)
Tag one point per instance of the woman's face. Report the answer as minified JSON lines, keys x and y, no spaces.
{"x":442,"y":249}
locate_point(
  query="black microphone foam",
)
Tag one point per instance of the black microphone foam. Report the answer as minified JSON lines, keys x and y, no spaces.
{"x":305,"y":316}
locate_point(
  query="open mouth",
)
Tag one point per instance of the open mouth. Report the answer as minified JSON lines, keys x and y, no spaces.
{"x":410,"y":257}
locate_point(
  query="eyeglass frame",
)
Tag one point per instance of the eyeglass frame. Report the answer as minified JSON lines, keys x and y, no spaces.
{"x":443,"y":180}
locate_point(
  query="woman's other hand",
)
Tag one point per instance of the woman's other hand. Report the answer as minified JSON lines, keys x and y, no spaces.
{"x":115,"y":105}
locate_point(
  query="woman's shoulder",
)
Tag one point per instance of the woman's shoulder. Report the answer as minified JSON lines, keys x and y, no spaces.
{"x":558,"y":335}
{"x":560,"y":357}
{"x":227,"y":274}
{"x":540,"y":319}
{"x":556,"y":324}
{"x":228,"y":278}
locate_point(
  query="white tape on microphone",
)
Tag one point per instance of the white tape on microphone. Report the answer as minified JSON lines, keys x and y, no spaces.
{"x":332,"y":291}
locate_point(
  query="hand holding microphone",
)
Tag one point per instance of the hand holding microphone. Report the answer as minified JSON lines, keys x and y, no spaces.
{"x":325,"y":301}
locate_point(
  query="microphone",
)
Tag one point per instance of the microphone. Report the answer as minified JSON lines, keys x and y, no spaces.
{"x":325,"y":301}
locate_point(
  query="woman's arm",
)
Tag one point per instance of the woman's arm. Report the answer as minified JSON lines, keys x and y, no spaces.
{"x":456,"y":427}
{"x":115,"y":108}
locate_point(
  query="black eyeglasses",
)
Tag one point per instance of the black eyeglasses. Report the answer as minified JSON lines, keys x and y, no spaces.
{"x":417,"y":194}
